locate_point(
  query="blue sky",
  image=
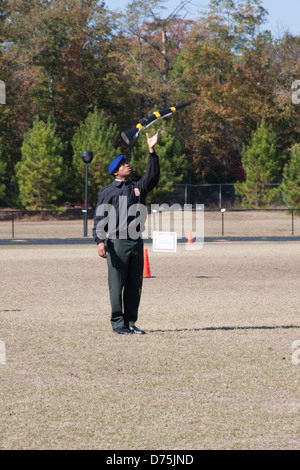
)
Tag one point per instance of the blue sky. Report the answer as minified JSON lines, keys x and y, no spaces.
{"x":283,"y":14}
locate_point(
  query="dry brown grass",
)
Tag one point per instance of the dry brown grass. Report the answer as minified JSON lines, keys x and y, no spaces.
{"x":213,"y":372}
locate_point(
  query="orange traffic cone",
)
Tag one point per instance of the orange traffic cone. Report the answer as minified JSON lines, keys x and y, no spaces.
{"x":146,"y":271}
{"x":190,"y":239}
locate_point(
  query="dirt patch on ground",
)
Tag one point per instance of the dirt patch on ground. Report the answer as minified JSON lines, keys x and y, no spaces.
{"x":214,"y":370}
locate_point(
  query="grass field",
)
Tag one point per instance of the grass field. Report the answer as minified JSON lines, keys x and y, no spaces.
{"x":214,"y":370}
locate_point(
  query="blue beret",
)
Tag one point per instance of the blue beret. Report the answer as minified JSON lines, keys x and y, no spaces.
{"x":115,"y":163}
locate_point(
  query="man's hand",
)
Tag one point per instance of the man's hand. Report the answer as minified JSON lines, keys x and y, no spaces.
{"x":152,"y":141}
{"x":101,"y":247}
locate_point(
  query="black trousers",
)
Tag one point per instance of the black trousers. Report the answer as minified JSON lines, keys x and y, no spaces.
{"x":125,"y":260}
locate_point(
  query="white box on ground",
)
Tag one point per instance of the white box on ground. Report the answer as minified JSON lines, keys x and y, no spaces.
{"x":165,"y":241}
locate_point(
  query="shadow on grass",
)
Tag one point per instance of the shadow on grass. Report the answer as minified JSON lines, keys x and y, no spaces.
{"x":228,"y":328}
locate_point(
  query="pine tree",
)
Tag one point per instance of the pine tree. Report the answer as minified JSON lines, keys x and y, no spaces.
{"x":290,"y":186}
{"x":262,"y":163}
{"x":40,"y":172}
{"x":98,"y":135}
{"x":173,"y":164}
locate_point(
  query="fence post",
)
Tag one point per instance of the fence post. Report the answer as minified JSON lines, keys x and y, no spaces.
{"x":185,"y":193}
{"x":292,"y":221}
{"x":12,"y":225}
{"x":222,"y":212}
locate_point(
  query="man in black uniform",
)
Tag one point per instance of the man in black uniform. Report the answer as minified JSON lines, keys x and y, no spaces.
{"x":119,"y":221}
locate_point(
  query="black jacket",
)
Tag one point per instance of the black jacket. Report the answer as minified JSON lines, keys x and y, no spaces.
{"x":121,"y":208}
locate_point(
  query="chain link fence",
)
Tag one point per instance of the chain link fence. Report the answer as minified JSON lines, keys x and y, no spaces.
{"x":223,"y":216}
{"x":65,"y":223}
{"x":225,"y":223}
{"x":213,"y":196}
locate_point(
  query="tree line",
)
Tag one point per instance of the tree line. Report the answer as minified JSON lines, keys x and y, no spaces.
{"x":77,"y":74}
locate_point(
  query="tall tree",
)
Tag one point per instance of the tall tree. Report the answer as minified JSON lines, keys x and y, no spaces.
{"x":98,"y":135}
{"x":227,"y":95}
{"x":56,"y":57}
{"x":261,"y":162}
{"x":290,"y":186}
{"x":283,"y":70}
{"x":40,"y":173}
{"x":147,"y":47}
